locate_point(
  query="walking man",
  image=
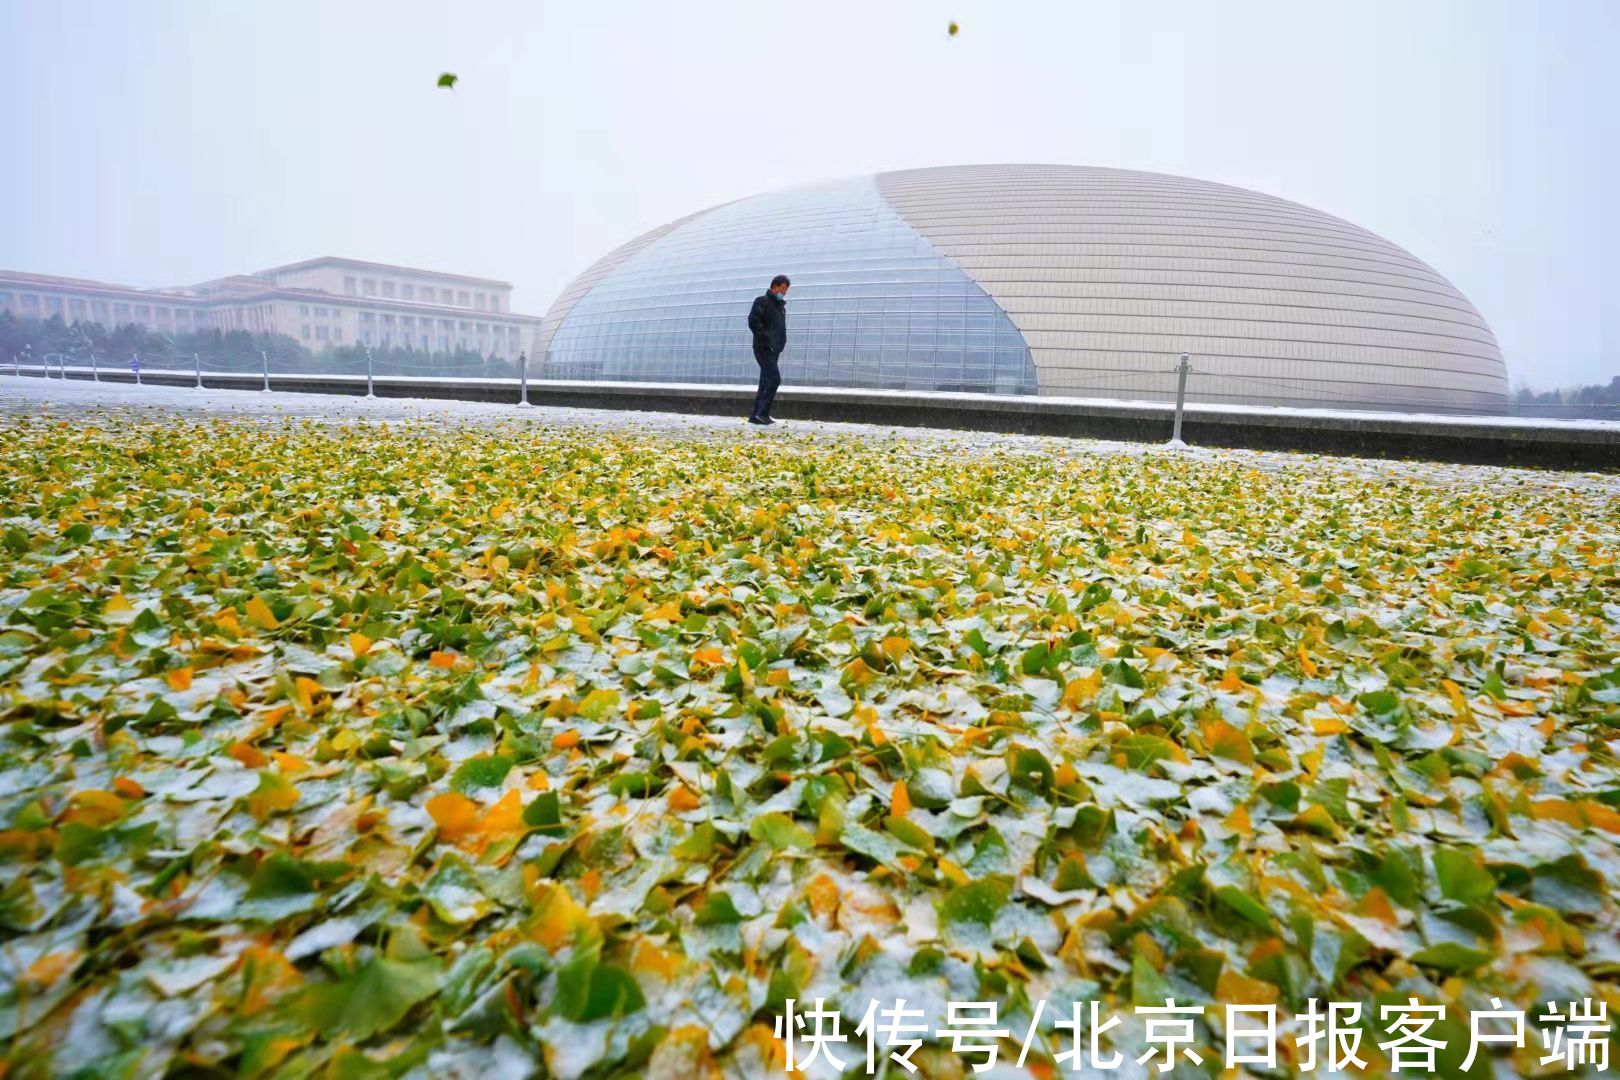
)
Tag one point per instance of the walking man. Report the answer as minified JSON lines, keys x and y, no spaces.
{"x":768,"y":321}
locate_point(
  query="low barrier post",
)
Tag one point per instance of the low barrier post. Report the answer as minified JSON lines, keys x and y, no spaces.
{"x":95,"y":369}
{"x":265,"y":360}
{"x":369,"y":390}
{"x":196,"y":359}
{"x":1181,"y":399}
{"x":523,"y":378}
{"x":135,"y":366}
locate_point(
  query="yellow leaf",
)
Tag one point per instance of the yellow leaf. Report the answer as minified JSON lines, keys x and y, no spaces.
{"x":305,"y":691}
{"x":1231,"y":683}
{"x":97,"y":809}
{"x":895,"y":647}
{"x":1226,"y":741}
{"x":259,"y":614}
{"x":1238,"y":821}
{"x":558,"y":917}
{"x":455,"y":815}
{"x":274,"y":793}
{"x":670,"y":611}
{"x":1240,"y":989}
{"x":1330,"y":725}
{"x":1306,"y":664}
{"x":359,"y":644}
{"x":1079,"y":691}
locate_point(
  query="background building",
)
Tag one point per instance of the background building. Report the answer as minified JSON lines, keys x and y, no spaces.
{"x":1036,"y":279}
{"x":320,"y":302}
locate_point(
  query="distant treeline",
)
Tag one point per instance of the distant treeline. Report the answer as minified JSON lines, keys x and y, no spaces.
{"x":229,"y":350}
{"x":1598,"y":401}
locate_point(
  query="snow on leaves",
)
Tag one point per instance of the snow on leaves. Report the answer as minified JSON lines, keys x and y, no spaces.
{"x":404,"y":750}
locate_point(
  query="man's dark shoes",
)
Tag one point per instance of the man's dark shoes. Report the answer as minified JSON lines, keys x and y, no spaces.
{"x":758,"y":420}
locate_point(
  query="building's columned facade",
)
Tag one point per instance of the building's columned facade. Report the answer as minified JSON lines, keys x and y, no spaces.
{"x":319,"y":303}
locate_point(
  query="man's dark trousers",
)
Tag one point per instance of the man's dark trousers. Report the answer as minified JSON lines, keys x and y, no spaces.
{"x":769,"y":379}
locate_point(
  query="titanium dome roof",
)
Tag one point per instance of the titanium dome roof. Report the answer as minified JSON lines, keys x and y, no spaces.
{"x":1054,"y":279}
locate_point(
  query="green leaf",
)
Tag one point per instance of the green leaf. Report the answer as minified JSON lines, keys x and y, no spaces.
{"x":1380,"y":702}
{"x":485,"y":771}
{"x":1144,"y":751}
{"x":781,"y":832}
{"x":977,"y":901}
{"x":718,"y":910}
{"x":1148,"y":987}
{"x":447,"y":81}
{"x":613,"y":992}
{"x":373,"y":999}
{"x":699,"y":845}
{"x":1453,"y":957}
{"x":281,"y":875}
{"x":1462,"y":876}
{"x":1245,"y":905}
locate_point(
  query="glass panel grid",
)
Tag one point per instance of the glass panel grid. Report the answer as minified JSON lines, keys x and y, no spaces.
{"x":873,"y":304}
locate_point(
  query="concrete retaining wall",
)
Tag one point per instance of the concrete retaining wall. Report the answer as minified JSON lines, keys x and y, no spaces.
{"x":1558,"y":444}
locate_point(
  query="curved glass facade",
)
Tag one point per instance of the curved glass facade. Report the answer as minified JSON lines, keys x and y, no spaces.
{"x":873,"y":303}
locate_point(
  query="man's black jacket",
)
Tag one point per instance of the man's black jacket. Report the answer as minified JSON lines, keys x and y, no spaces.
{"x":768,"y":320}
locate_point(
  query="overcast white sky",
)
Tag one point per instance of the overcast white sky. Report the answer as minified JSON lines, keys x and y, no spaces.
{"x":157,"y":142}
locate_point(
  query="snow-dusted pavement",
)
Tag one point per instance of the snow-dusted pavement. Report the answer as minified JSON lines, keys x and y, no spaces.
{"x":115,"y":402}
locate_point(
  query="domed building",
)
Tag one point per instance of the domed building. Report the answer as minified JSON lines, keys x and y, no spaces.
{"x":1035,"y":279}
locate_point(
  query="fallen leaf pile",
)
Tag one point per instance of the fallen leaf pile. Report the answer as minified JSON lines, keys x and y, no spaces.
{"x":365,"y":750}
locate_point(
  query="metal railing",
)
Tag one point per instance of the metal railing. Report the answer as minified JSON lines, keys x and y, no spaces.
{"x":1147,"y":384}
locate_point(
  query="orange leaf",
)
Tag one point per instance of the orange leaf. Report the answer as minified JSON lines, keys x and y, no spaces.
{"x":289,"y":763}
{"x":1306,"y":664}
{"x":682,"y":799}
{"x":565,"y":740}
{"x":1238,"y":821}
{"x":128,"y":788}
{"x":178,"y":679}
{"x":823,"y":895}
{"x":504,"y":820}
{"x":442,"y":659}
{"x":1376,"y":905}
{"x":250,"y":756}
{"x":455,"y":815}
{"x":900,"y":800}
{"x":1231,"y":683}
